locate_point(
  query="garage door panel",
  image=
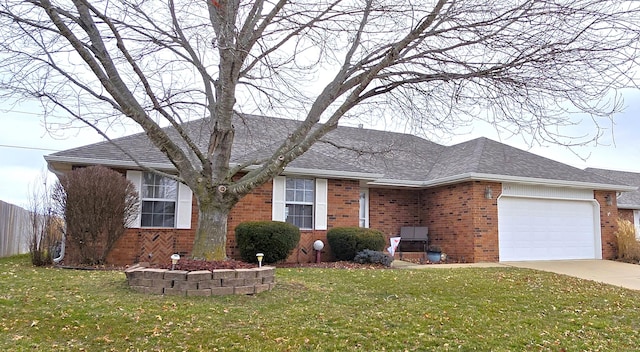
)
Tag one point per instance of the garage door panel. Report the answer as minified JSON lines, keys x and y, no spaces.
{"x":545,"y":229}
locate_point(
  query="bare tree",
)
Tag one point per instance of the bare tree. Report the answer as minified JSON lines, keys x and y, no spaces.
{"x":45,"y":228}
{"x":436,"y":63}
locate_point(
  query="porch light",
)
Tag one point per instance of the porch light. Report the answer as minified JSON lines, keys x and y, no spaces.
{"x":174,"y":260}
{"x":260,"y":256}
{"x":608,"y":199}
{"x":488,"y":193}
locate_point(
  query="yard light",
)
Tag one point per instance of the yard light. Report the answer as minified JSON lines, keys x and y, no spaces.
{"x":318,"y":246}
{"x":260,"y":256}
{"x":174,"y":260}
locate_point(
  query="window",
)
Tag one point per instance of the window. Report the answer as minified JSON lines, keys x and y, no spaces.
{"x":158,"y":197}
{"x":364,"y":207}
{"x":299,"y":202}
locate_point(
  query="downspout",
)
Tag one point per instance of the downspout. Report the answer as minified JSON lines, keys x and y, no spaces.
{"x":58,"y":259}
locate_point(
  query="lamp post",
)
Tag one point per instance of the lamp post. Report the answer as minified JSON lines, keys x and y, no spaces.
{"x":174,"y":260}
{"x":260,"y":256}
{"x":318,"y":246}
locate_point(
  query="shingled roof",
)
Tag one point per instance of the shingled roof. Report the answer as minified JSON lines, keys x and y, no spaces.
{"x":382,"y":158}
{"x":627,"y":200}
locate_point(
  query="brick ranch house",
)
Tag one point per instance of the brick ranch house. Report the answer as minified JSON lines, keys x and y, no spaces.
{"x":481,"y":200}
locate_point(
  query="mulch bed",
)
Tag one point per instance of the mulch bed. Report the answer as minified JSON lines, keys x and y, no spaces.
{"x":193,"y":265}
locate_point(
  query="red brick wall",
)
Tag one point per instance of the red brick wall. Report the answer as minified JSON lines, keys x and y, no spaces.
{"x":391,"y":209}
{"x":156,"y":245}
{"x":608,"y":224}
{"x":462,"y":221}
{"x":626,"y":214}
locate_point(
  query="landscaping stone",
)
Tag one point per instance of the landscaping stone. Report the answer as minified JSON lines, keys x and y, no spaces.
{"x":200,"y":283}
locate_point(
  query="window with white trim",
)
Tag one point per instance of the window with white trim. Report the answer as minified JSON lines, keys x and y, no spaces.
{"x":158,"y":197}
{"x":364,"y":207}
{"x":299,"y":199}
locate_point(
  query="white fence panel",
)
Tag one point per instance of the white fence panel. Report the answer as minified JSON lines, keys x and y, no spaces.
{"x":14,"y":229}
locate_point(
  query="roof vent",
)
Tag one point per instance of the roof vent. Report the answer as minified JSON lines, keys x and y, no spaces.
{"x":360,"y":125}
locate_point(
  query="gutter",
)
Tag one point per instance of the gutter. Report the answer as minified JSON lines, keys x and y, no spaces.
{"x":374,"y":178}
{"x":472,"y":176}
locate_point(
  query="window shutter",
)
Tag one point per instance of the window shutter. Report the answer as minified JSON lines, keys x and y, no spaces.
{"x":278,"y":198}
{"x":321,"y":204}
{"x":184,"y":206}
{"x":136,"y":178}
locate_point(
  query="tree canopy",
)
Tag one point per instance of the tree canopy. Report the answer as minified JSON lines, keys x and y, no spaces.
{"x":520,"y":64}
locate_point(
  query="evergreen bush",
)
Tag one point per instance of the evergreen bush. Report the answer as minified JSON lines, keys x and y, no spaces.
{"x":373,"y":257}
{"x":346,"y":242}
{"x":275,"y":239}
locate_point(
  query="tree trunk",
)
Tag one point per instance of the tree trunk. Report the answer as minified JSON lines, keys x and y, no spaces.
{"x":211,"y":235}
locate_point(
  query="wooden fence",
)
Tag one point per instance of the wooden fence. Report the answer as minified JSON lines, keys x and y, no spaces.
{"x":14,"y":229}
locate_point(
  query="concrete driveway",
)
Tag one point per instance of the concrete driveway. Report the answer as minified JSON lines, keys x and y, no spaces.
{"x":605,"y":271}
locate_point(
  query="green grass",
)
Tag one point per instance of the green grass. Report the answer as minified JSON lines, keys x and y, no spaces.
{"x":499,"y":309}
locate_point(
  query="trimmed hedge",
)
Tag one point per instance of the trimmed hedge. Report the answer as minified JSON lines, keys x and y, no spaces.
{"x":275,"y":239}
{"x":345,"y":242}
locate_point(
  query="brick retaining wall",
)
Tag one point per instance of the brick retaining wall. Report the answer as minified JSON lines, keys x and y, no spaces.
{"x":201,"y":283}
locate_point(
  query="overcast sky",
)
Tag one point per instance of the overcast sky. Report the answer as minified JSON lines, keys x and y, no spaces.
{"x":24,"y":141}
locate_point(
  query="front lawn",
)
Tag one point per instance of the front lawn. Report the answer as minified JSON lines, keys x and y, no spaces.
{"x":499,"y":309}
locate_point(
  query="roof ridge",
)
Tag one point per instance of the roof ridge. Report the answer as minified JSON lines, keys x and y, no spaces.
{"x":478,"y":151}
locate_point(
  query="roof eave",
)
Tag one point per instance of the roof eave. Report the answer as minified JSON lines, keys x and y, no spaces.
{"x":472,"y":176}
{"x":629,"y":206}
{"x":292,"y":171}
{"x":349,"y":175}
{"x":106,"y":162}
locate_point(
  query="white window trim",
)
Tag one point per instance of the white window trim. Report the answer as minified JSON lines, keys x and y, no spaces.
{"x":366,"y":207}
{"x":183,"y":203}
{"x":279,"y":203}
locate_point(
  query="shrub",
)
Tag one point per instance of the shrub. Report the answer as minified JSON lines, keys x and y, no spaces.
{"x":97,"y":203}
{"x":45,"y":229}
{"x":275,"y":239}
{"x":345,"y":242}
{"x":628,"y":245}
{"x":373,"y":257}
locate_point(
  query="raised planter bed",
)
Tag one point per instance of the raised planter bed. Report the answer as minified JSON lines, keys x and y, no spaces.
{"x":200,"y":283}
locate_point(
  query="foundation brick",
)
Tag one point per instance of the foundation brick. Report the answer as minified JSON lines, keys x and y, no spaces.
{"x":245,"y":273}
{"x":200,"y":275}
{"x":154,"y":274}
{"x":262,"y":288}
{"x":232,"y":282}
{"x":221,"y":291}
{"x":244,"y":290}
{"x":209,"y":284}
{"x":177,"y":275}
{"x":205,"y":292}
{"x":223,"y":274}
{"x":174,"y":292}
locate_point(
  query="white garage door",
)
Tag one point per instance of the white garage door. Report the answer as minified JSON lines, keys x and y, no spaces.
{"x":547,"y":229}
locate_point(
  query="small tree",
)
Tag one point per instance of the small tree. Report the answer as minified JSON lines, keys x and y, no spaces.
{"x":45,"y":228}
{"x":97,"y":203}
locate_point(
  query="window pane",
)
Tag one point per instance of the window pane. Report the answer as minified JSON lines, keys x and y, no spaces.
{"x":300,"y":215}
{"x":159,"y":195}
{"x":158,"y":214}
